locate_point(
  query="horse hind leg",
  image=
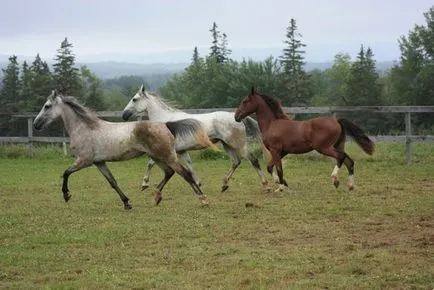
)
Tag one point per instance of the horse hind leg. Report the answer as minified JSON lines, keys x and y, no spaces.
{"x":349,"y":163}
{"x":188,"y":176}
{"x":235,"y":159}
{"x":339,"y":156}
{"x":255,"y":164}
{"x":109,"y":176}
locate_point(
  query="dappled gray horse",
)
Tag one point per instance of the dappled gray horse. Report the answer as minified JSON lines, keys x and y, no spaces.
{"x":95,"y":141}
{"x":219,"y":125}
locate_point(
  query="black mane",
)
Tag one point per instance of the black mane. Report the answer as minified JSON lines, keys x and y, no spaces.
{"x":275,"y":106}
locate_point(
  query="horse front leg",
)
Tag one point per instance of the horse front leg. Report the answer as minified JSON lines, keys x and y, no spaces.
{"x":109,"y":176}
{"x":145,"y":183}
{"x":255,"y":164}
{"x":168,"y":173}
{"x":235,"y":159}
{"x":276,"y":161}
{"x":78,"y":165}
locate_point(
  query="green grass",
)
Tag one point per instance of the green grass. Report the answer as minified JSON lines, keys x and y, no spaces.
{"x":312,"y":236}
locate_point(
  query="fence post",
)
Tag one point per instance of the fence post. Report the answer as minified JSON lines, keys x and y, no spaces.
{"x":30,"y":134}
{"x":408,"y":137}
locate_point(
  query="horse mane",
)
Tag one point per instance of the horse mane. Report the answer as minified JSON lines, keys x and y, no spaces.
{"x":275,"y":106}
{"x":85,"y":114}
{"x":167,"y":104}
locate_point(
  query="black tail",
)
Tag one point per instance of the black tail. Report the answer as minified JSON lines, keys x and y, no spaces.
{"x":252,"y":128}
{"x":183,"y":127}
{"x":358,"y":135}
{"x":186,"y":129}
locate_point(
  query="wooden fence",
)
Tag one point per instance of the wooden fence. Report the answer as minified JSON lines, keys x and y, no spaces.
{"x":408,"y":138}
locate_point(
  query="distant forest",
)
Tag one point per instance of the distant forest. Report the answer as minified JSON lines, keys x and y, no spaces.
{"x":216,"y":80}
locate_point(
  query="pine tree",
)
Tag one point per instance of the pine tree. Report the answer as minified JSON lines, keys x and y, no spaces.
{"x":362,"y":87}
{"x":216,"y":49}
{"x":41,"y":83}
{"x":226,"y":52}
{"x":66,"y":75}
{"x":292,"y":62}
{"x":10,"y":92}
{"x":195,"y":58}
{"x":26,"y":78}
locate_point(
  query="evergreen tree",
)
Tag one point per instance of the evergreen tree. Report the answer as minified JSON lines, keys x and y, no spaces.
{"x":10,"y":92}
{"x":26,"y":78}
{"x":41,"y":83}
{"x":66,"y":75}
{"x":226,"y":52}
{"x":363,"y":87}
{"x":216,"y":49}
{"x":195,"y":58}
{"x":292,"y":62}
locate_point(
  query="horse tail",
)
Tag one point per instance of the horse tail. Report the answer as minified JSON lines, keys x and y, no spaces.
{"x":190,"y":128}
{"x":252,"y":129}
{"x":358,"y":135}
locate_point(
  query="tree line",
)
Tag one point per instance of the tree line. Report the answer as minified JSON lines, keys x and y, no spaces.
{"x":216,"y":80}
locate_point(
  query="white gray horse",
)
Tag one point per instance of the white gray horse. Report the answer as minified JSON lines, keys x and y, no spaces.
{"x":219,"y":125}
{"x":94,"y":141}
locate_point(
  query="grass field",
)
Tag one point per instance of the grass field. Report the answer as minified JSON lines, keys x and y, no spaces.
{"x":312,"y":236}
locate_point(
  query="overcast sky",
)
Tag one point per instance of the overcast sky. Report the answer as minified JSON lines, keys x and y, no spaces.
{"x":142,"y":26}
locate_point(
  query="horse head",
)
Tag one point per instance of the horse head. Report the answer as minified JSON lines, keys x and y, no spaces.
{"x":49,"y":111}
{"x":138,"y":104}
{"x":248,"y":106}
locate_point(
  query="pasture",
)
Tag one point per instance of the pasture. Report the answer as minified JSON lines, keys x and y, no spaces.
{"x":379,"y":236}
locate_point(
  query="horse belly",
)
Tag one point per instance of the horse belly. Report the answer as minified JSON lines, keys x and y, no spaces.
{"x":296,"y":146}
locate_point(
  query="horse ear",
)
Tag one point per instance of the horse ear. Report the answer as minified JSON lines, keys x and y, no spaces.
{"x":53,"y":94}
{"x":142,"y":88}
{"x":253,"y":91}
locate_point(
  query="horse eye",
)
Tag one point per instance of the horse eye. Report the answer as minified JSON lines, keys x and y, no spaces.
{"x":134,"y":100}
{"x":47,"y":106}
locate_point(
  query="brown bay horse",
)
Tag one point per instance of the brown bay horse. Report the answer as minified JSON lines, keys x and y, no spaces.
{"x":282,"y":136}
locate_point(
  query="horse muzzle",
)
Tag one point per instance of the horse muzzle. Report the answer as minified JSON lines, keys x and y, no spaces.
{"x":38,"y":124}
{"x":127,"y":114}
{"x":238,"y":117}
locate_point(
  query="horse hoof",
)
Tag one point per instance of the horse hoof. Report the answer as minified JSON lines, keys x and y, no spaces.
{"x":158,"y":199}
{"x":127,"y":205}
{"x":145,"y":186}
{"x":225,"y":187}
{"x":67,"y":197}
{"x":204,"y":200}
{"x":350,"y":187}
{"x":336,"y":183}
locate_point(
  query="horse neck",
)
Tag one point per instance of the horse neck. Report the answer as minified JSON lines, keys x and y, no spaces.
{"x":158,"y":111}
{"x":73,"y":124}
{"x":265,"y":117}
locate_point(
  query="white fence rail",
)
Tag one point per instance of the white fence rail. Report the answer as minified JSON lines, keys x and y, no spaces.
{"x":408,"y":138}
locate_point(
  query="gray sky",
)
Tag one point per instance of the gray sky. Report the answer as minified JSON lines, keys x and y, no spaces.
{"x":137,"y":27}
